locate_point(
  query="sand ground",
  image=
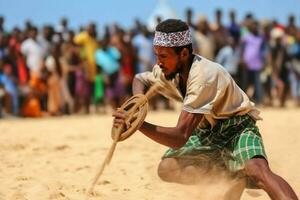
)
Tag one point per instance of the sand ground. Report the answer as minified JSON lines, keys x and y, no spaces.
{"x":56,"y":158}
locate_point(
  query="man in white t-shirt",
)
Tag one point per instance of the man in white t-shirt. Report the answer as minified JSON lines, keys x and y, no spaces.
{"x":217,"y":116}
{"x":33,"y":52}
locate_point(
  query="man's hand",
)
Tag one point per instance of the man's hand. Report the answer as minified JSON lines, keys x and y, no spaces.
{"x":120,"y":116}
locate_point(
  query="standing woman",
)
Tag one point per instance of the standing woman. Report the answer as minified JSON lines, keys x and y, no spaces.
{"x":53,"y":66}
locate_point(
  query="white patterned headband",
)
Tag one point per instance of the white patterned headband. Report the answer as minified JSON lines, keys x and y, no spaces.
{"x":175,"y":39}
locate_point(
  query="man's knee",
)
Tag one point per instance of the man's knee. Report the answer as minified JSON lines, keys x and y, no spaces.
{"x":167,"y":169}
{"x":257,"y":169}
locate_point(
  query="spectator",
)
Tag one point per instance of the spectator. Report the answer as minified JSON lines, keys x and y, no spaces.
{"x":252,"y":55}
{"x":88,"y":40}
{"x":108,"y":58}
{"x":229,"y":57}
{"x":204,"y":39}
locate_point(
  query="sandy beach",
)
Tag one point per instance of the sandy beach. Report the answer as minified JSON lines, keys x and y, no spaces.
{"x":56,"y":159}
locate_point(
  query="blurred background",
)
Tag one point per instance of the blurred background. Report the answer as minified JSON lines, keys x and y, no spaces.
{"x":81,"y":12}
{"x":79,"y":57}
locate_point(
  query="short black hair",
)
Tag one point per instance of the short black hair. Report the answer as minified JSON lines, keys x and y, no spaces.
{"x":174,"y":25}
{"x":179,"y":49}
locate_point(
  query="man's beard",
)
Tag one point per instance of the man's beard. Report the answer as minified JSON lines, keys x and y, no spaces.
{"x":173,"y":74}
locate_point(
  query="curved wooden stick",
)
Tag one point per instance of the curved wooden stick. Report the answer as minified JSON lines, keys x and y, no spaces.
{"x":105,"y":162}
{"x":112,"y":148}
{"x":136,"y":110}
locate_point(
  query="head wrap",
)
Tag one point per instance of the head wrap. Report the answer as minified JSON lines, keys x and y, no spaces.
{"x":175,"y":39}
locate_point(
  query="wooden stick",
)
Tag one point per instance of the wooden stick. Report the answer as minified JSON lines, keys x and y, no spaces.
{"x":112,"y":148}
{"x":105,"y":162}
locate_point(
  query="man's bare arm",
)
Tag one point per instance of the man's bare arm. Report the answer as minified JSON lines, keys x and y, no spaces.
{"x":174,"y":137}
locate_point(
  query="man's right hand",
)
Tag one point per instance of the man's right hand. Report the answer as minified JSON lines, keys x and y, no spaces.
{"x":119,"y":118}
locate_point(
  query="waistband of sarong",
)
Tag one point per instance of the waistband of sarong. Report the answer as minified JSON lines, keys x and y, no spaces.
{"x":232,"y":121}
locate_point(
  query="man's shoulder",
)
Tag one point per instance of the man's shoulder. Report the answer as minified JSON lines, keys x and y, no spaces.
{"x":203,"y":64}
{"x":205,"y":70}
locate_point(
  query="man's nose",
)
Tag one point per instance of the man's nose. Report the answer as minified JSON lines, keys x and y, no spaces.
{"x":159,"y":63}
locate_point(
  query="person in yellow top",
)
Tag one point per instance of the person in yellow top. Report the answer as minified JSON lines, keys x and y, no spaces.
{"x":88,"y":41}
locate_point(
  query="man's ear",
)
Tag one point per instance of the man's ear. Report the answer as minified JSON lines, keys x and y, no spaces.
{"x":184,"y":54}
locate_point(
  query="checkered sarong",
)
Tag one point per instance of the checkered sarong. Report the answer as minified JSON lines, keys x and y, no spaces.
{"x":238,"y":136}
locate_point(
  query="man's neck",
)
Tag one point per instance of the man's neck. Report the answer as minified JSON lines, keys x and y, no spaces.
{"x":186,"y":69}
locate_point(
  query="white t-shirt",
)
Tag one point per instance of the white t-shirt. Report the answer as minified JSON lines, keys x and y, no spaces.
{"x":50,"y":64}
{"x":34,"y":55}
{"x":210,"y":91}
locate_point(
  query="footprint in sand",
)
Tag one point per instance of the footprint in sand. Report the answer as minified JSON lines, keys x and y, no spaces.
{"x":57,"y":195}
{"x":80,"y":190}
{"x":62,"y":147}
{"x":105,"y":182}
{"x":95,"y":194}
{"x":23,"y":178}
{"x":123,"y":171}
{"x":11,"y":165}
{"x":147,"y":186}
{"x":17,"y":147}
{"x":83,"y":167}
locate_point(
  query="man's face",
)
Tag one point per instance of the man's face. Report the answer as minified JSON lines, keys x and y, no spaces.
{"x":168,"y":61}
{"x":33,"y":34}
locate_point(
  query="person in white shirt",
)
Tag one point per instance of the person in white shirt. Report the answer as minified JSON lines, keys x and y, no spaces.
{"x":33,"y":52}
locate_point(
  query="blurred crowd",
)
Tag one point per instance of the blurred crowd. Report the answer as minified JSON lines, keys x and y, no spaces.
{"x":54,"y":70}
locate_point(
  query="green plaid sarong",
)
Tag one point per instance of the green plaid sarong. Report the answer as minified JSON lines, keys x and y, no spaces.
{"x":238,"y":137}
